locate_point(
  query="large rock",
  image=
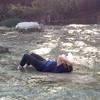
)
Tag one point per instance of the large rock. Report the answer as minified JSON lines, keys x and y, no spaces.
{"x":28,"y":26}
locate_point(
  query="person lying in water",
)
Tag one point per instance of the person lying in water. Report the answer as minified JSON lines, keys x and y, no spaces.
{"x":61,"y":65}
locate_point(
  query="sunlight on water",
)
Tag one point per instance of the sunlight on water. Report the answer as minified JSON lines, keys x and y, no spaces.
{"x":42,"y":50}
{"x":82,"y":84}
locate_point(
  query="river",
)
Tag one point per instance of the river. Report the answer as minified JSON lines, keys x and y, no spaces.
{"x":83,"y":41}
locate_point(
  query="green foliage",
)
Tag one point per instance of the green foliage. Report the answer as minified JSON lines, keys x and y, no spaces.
{"x":51,"y":11}
{"x":11,"y":22}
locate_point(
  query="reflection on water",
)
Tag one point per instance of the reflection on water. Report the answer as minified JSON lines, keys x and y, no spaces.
{"x":83,"y":84}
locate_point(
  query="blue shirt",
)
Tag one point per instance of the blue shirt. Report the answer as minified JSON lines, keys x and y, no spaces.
{"x":51,"y":66}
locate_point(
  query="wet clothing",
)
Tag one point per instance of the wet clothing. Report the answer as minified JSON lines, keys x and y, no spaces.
{"x":42,"y":64}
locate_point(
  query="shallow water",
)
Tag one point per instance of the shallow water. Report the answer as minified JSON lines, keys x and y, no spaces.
{"x":83,"y":84}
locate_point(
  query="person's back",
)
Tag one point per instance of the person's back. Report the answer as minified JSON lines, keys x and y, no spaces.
{"x":48,"y":66}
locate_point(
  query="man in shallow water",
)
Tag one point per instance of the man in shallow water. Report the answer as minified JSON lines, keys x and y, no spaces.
{"x":61,"y":65}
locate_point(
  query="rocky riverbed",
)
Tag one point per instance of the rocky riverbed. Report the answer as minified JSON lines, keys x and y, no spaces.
{"x":82,"y":84}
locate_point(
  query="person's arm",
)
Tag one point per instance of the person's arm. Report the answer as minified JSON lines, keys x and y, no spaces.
{"x":59,"y":60}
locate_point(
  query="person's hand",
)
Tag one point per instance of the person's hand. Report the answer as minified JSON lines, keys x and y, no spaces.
{"x":60,"y":60}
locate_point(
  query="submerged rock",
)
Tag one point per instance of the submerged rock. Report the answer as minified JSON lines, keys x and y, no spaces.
{"x":4,"y":49}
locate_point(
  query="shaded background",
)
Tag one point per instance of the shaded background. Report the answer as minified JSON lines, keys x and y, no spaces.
{"x":52,"y":11}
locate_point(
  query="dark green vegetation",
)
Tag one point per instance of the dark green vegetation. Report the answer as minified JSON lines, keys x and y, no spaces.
{"x":52,"y":11}
{"x":11,"y":22}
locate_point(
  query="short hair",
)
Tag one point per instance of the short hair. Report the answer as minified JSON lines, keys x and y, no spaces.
{"x":69,"y":68}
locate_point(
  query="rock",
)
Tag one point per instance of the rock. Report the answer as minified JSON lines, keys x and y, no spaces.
{"x":28,"y":26}
{"x":4,"y":49}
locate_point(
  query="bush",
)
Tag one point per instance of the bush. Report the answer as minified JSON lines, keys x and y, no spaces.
{"x":12,"y":22}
